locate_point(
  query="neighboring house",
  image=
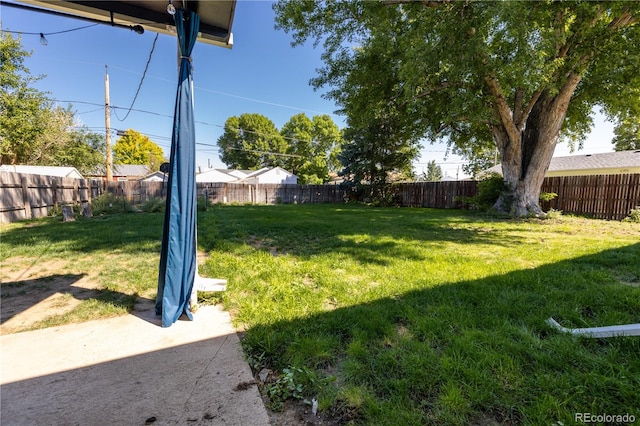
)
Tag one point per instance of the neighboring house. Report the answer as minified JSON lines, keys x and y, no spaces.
{"x":216,"y":176}
{"x":274,"y":175}
{"x":58,"y":171}
{"x":155,"y":177}
{"x":607,"y":163}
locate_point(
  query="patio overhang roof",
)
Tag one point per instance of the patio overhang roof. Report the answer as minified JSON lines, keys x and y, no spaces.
{"x":216,"y":17}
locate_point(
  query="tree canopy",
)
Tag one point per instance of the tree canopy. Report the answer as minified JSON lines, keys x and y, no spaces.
{"x":306,"y":147}
{"x":627,"y":134}
{"x":250,"y":142}
{"x":135,"y":148}
{"x":512,"y":76}
{"x":434,"y":172}
{"x":32,"y":129}
{"x":313,"y":146}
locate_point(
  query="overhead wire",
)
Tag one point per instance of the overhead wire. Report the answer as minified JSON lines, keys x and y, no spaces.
{"x":51,"y":33}
{"x":144,"y":73}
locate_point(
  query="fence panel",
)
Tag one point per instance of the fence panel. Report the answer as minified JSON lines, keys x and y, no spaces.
{"x":610,"y":197}
{"x":27,"y":196}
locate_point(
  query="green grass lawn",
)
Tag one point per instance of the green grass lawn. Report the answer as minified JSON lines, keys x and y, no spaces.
{"x":399,"y":316}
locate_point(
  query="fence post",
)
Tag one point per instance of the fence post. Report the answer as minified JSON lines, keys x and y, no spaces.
{"x":25,"y":198}
{"x":54,"y":188}
{"x":76,"y":192}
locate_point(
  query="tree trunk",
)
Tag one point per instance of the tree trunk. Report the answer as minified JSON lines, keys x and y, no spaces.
{"x":526,"y":154}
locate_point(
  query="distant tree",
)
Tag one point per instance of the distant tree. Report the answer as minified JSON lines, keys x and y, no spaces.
{"x":312,"y":147}
{"x":135,"y":148}
{"x":32,"y":129}
{"x":627,"y":134}
{"x":251,"y":142}
{"x":434,"y":172}
{"x":379,"y":146}
{"x":84,"y":150}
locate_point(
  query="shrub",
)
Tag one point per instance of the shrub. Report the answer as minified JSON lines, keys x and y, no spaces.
{"x":489,"y":190}
{"x":634,"y":215}
{"x":547,"y":196}
{"x":153,"y":205}
{"x":109,"y":203}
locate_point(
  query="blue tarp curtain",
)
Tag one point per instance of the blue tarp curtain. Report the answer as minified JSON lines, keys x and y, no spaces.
{"x":178,"y":251}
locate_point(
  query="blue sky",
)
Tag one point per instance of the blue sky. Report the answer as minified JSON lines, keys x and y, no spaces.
{"x":261,"y":74}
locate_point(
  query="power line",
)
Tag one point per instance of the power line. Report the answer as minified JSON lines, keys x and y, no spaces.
{"x":51,"y":33}
{"x":93,"y":110}
{"x":153,"y":47}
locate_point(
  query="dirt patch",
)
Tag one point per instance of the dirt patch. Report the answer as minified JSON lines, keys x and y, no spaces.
{"x":26,"y":302}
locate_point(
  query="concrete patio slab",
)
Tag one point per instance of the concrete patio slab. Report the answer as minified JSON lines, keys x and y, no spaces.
{"x":129,"y":371}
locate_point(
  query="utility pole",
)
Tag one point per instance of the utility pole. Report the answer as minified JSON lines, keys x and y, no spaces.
{"x":107,"y":125}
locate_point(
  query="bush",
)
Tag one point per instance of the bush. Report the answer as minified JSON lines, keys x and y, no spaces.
{"x":634,"y":215}
{"x":109,"y":203}
{"x":153,"y":205}
{"x":547,"y":196}
{"x":489,"y":190}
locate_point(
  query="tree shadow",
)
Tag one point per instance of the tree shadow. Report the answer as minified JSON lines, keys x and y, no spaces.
{"x":27,"y":302}
{"x":367,"y":235}
{"x":127,"y":232}
{"x":485,"y":341}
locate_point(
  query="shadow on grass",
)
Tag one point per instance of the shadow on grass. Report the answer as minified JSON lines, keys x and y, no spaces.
{"x":368,"y":235}
{"x":475,"y":352}
{"x":128,"y":233}
{"x":21,"y":296}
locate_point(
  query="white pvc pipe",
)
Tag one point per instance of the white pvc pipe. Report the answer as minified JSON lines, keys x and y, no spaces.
{"x":599,"y":332}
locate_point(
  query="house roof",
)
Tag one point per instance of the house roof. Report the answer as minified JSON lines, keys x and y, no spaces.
{"x":130,"y":170}
{"x":216,"y":175}
{"x":59,"y":171}
{"x":605,"y":160}
{"x":157,"y":174}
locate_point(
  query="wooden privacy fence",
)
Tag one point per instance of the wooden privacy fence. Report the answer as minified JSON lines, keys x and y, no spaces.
{"x":439,"y":195}
{"x":271,"y":193}
{"x":600,"y":196}
{"x":24,"y":196}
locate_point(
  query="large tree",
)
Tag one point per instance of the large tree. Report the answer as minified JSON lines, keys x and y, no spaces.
{"x":521,"y":74}
{"x":250,"y":142}
{"x":135,"y":148}
{"x":313,"y":146}
{"x":32,"y":129}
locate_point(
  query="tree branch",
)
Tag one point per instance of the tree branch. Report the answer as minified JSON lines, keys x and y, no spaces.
{"x":525,"y":113}
{"x":502,"y":107}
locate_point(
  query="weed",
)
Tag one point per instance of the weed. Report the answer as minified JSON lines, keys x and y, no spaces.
{"x":295,"y":383}
{"x":634,"y":215}
{"x":109,"y":203}
{"x":153,"y":205}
